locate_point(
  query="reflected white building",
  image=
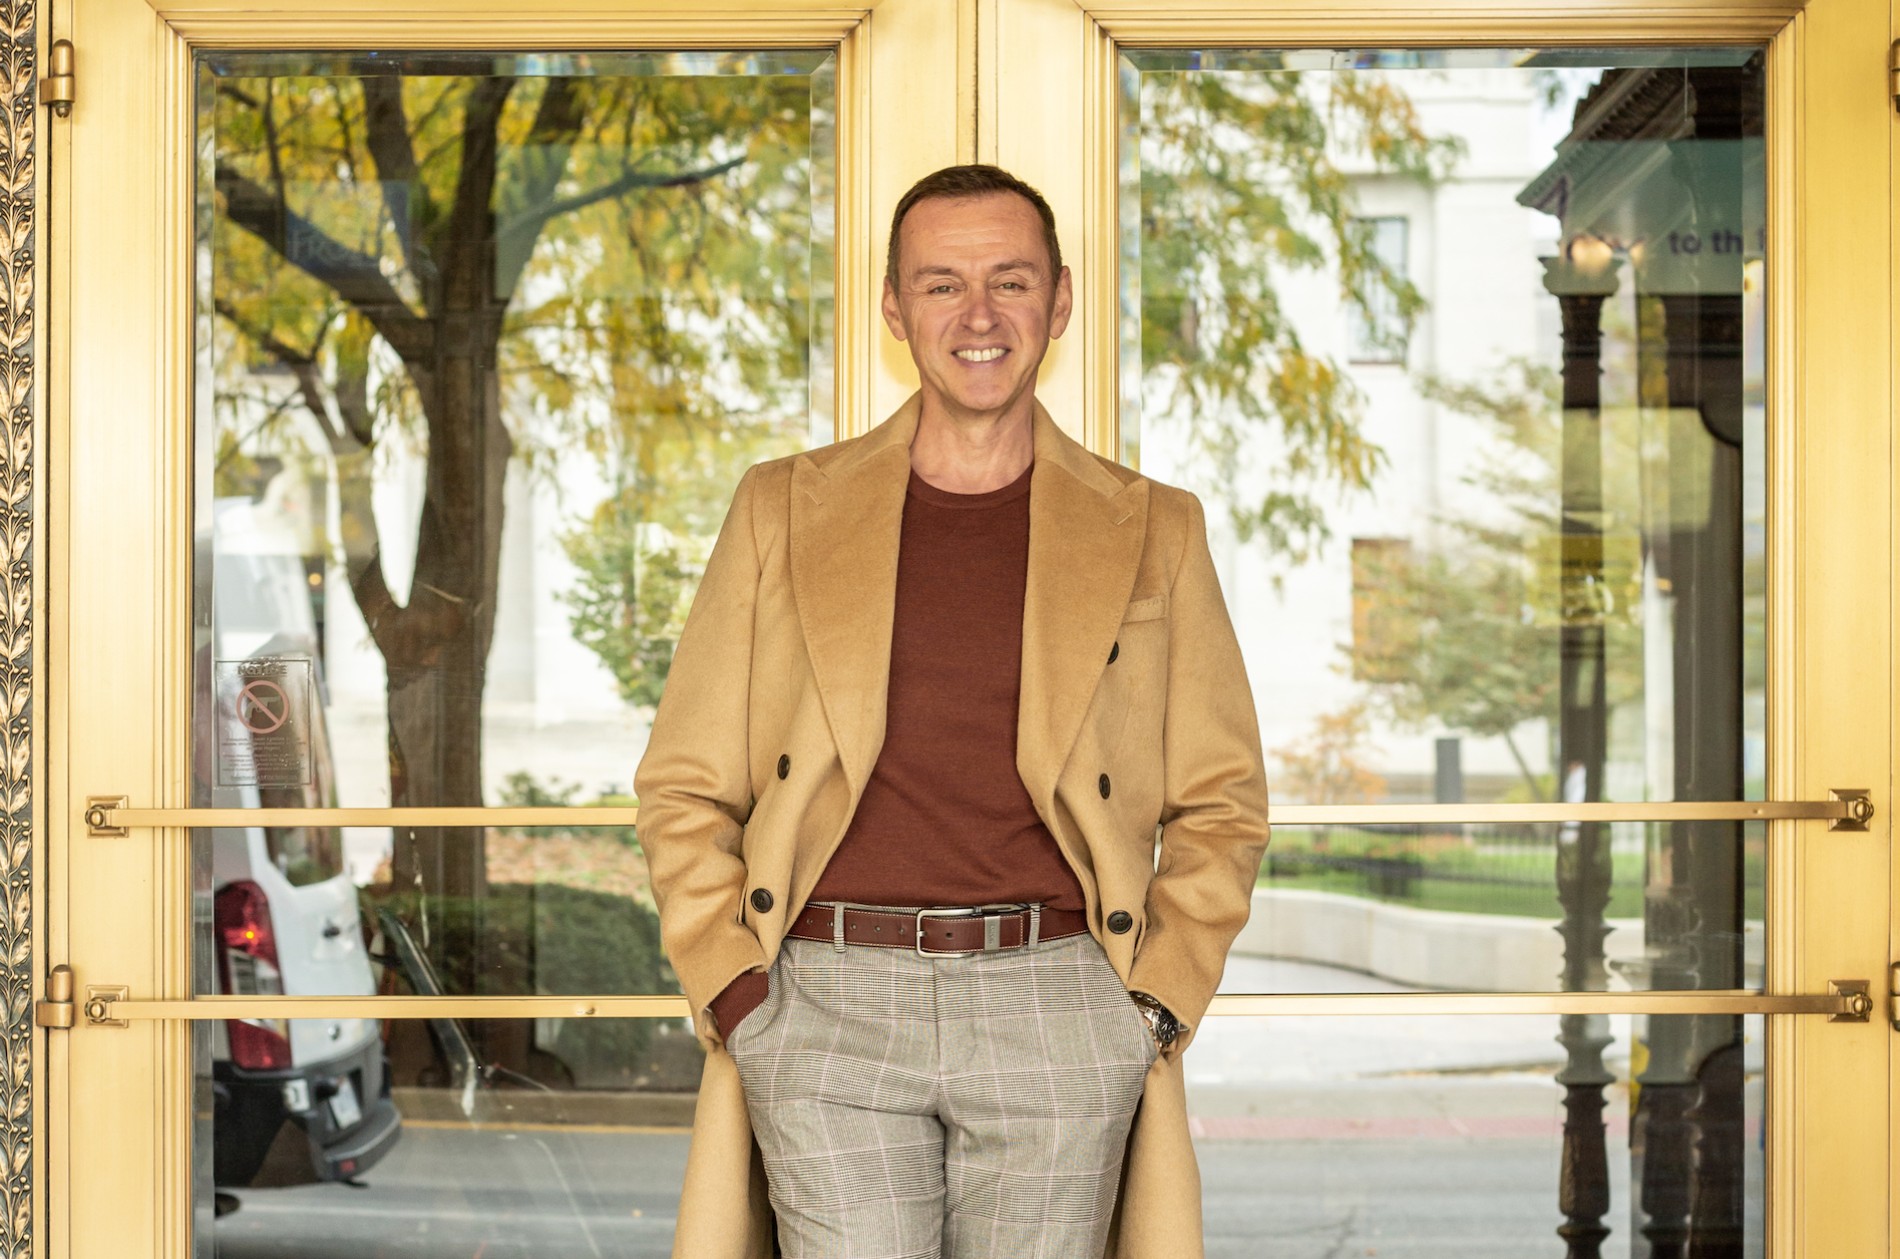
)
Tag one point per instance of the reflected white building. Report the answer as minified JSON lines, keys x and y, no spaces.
{"x":1472,"y":252}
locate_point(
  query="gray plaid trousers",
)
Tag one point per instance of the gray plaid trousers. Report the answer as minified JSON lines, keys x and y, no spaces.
{"x":943,"y":1108}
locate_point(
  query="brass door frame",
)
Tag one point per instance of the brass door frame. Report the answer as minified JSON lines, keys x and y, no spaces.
{"x":1892,"y":241}
{"x":1833,"y":580}
{"x":119,"y":271}
{"x":116,"y":1163}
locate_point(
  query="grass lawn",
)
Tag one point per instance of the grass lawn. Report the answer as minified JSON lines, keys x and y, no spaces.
{"x":1447,"y":872}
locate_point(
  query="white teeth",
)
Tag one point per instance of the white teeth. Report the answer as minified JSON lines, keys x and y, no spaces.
{"x":980,"y":356}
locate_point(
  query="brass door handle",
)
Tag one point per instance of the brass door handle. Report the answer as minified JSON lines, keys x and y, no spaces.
{"x":1846,"y":1001}
{"x":1846,"y":809}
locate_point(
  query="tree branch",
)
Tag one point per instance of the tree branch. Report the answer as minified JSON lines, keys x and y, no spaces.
{"x":351,"y":450}
{"x":538,"y":165}
{"x":354,"y":276}
{"x":285,"y":353}
{"x":470,"y":228}
{"x":386,"y":123}
{"x":533,"y":220}
{"x":1523,"y":767}
{"x":352,"y":399}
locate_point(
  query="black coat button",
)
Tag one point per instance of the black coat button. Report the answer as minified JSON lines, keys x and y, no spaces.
{"x":784,"y":766}
{"x":1113,"y":652}
{"x":1102,"y":784}
{"x":1120,"y":921}
{"x":761,"y":900}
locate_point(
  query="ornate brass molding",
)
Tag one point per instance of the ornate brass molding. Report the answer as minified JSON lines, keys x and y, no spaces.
{"x":18,"y":190}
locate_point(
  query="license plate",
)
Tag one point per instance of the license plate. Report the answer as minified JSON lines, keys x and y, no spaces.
{"x":344,"y":1110}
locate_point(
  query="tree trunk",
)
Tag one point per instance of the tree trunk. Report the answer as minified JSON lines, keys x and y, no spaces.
{"x":437,"y":649}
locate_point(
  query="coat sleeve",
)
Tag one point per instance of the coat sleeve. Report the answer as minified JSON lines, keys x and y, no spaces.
{"x":693,"y":783}
{"x":1214,"y":804}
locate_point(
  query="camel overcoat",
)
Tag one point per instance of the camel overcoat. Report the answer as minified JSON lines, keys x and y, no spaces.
{"x":1146,"y":767}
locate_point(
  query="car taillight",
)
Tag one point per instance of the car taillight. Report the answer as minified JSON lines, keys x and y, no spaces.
{"x":247,"y":955}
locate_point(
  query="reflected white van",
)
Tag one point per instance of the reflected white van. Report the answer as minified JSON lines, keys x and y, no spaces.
{"x":305,"y":1100}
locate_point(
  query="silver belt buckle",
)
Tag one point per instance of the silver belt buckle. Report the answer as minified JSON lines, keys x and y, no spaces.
{"x":958,"y":912}
{"x":992,"y":926}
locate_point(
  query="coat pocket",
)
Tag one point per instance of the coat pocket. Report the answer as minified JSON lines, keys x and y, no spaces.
{"x":1146,"y":609}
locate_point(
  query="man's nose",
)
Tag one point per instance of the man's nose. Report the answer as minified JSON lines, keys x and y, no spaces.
{"x":979,"y":312}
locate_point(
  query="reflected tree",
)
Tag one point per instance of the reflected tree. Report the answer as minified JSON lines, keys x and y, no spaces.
{"x":1469,"y":620}
{"x":1329,"y":765}
{"x":1242,"y":190}
{"x":1465,"y":647}
{"x":481,"y":270}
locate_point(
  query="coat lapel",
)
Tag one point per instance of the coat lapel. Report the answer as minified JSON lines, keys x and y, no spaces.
{"x":846,"y":515}
{"x":1086,"y":530}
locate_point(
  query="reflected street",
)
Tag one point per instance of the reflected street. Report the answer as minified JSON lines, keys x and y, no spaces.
{"x":444,"y":1195}
{"x":1317,"y":1138}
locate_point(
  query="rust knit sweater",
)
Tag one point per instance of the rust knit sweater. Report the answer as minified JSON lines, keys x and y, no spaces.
{"x":945,"y":819}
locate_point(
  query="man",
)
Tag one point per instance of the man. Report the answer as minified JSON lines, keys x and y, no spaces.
{"x":940,"y":685}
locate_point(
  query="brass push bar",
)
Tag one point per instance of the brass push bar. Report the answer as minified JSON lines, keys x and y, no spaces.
{"x":1846,"y":1001}
{"x":1846,"y":809}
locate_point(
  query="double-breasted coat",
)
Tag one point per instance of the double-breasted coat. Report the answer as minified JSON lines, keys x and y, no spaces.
{"x":1136,"y":739}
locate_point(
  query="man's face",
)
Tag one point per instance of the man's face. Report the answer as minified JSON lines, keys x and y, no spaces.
{"x":975,"y":300}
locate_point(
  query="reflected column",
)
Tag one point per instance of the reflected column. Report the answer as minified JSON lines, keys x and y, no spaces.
{"x":1580,"y":280}
{"x":1691,"y":1121}
{"x":1690,"y":1125}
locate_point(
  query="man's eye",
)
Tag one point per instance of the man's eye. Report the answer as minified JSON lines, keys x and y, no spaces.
{"x":1011,"y":284}
{"x":938,"y":288}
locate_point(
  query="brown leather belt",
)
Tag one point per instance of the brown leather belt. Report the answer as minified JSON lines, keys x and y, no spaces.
{"x":938,"y":932}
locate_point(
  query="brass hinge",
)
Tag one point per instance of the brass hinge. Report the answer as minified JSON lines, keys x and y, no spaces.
{"x":57,"y":1008}
{"x":1893,"y":988}
{"x":1893,"y":71}
{"x":56,"y":89}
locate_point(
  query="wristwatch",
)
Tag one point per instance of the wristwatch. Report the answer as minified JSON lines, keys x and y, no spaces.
{"x":1161,"y":1021}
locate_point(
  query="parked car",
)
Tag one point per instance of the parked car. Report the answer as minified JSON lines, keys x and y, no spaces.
{"x":305,"y":1100}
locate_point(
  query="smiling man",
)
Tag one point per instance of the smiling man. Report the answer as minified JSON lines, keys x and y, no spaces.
{"x":953,"y":804}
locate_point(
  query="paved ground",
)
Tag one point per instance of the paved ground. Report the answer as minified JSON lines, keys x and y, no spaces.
{"x":456,"y":1195}
{"x":1402,"y":1138}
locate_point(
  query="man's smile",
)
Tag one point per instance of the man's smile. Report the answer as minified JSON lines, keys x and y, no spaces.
{"x":987,"y":355}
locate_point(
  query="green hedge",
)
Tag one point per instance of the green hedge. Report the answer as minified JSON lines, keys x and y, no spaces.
{"x":549,"y":939}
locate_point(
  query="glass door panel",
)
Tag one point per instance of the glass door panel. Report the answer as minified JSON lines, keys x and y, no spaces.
{"x":489,"y":1167}
{"x":1464,"y":349}
{"x":1428,"y":1136}
{"x":484,"y":342}
{"x":1499,"y":908}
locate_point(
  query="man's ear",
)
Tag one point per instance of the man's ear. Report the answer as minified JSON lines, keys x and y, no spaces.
{"x":1064,"y":305}
{"x":893,"y":313}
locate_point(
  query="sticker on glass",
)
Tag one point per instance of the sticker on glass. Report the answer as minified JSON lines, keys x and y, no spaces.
{"x":264,"y":722}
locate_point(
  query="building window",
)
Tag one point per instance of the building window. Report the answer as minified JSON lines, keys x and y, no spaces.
{"x":1378,"y":332}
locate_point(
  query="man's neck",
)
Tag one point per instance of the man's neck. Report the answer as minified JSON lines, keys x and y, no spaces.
{"x":973,"y":454}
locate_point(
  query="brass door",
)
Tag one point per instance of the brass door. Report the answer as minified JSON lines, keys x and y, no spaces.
{"x":1467,"y":240}
{"x":293,"y":564}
